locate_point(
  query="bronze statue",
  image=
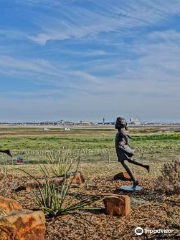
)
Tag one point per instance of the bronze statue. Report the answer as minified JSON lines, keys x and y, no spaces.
{"x":7,"y":151}
{"x":124,"y":151}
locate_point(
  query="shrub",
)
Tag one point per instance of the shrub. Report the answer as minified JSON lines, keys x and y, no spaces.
{"x":169,"y":181}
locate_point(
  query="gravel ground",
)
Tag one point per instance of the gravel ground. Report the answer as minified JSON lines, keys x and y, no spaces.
{"x":149,"y":210}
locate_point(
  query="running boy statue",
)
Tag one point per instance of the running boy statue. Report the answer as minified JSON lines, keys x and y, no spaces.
{"x":124,"y":151}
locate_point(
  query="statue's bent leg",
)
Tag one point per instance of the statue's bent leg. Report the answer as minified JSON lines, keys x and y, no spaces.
{"x":138,"y":163}
{"x":133,"y":161}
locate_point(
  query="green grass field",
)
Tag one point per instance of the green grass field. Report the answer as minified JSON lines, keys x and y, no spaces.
{"x":93,"y":138}
{"x":154,"y":145}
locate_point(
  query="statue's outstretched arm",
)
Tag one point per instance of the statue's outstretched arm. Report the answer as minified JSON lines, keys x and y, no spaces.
{"x":7,"y":151}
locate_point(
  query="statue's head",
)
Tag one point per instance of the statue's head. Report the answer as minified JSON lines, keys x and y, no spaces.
{"x":120,"y":123}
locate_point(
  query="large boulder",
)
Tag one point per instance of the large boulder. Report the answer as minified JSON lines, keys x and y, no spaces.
{"x":117,"y":205}
{"x":19,"y":224}
{"x":23,"y":225}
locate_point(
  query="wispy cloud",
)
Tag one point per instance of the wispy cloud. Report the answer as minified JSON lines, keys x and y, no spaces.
{"x":23,"y":67}
{"x":39,"y":70}
{"x":79,"y":22}
{"x":165,"y":36}
{"x":90,"y":58}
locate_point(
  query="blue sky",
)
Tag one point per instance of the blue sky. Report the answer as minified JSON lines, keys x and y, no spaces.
{"x":89,"y":59}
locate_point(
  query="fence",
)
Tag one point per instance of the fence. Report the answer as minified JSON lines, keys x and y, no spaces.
{"x":54,"y":156}
{"x":95,"y":155}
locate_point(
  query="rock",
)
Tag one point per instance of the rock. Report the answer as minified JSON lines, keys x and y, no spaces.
{"x":8,"y":205}
{"x":10,"y":176}
{"x":2,"y":175}
{"x":34,"y":184}
{"x":117,"y":205}
{"x":18,"y":224}
{"x":124,"y":176}
{"x":23,"y":225}
{"x":78,"y":179}
{"x":73,"y":178}
{"x":5,"y":176}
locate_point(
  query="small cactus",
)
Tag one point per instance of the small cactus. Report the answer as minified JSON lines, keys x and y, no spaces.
{"x":169,"y":181}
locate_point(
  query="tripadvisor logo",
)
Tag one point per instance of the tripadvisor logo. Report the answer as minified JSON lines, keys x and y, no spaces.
{"x":139,"y":231}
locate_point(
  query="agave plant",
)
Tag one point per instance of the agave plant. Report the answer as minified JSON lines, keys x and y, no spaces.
{"x":55,"y":200}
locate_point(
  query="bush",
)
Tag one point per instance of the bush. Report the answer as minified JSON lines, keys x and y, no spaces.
{"x":169,"y":181}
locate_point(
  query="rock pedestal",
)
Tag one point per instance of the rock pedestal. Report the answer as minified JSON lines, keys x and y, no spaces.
{"x":117,"y":205}
{"x":124,"y":176}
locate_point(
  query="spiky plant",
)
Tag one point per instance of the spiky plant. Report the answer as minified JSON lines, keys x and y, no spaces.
{"x":55,"y":200}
